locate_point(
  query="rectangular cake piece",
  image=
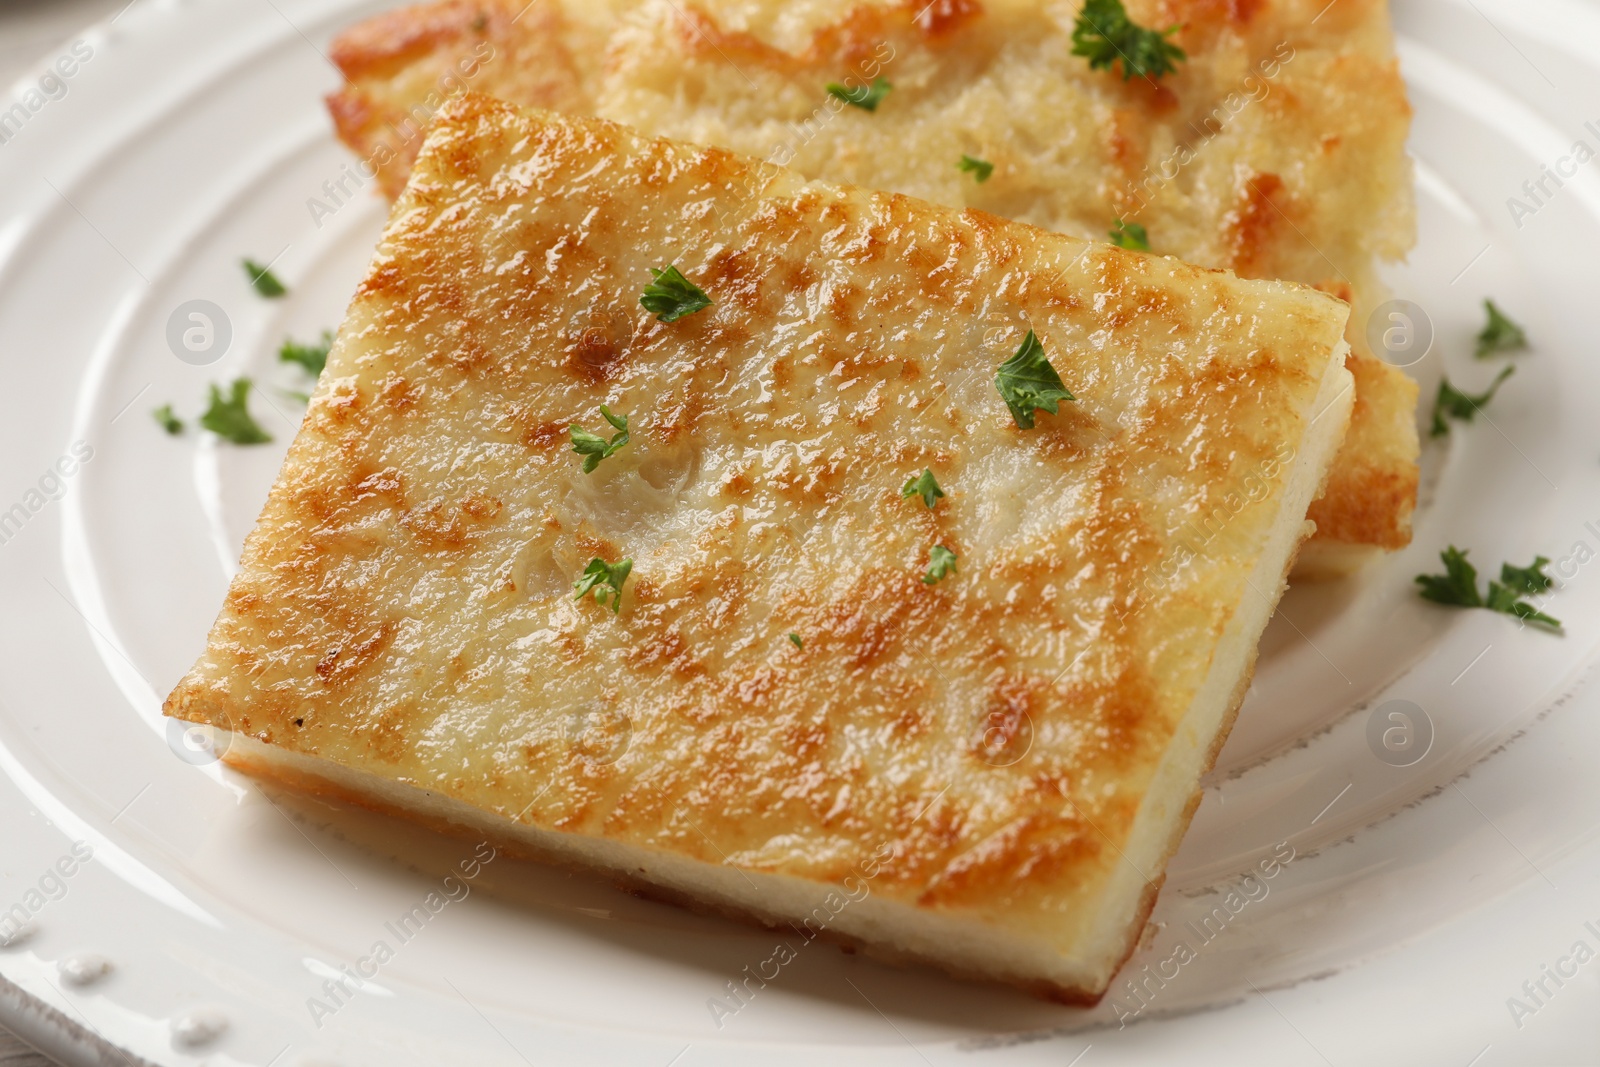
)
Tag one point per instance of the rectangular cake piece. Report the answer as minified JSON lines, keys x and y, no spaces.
{"x":1276,"y":149}
{"x":904,"y":622}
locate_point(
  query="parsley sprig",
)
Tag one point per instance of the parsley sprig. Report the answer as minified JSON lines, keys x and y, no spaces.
{"x":265,"y":282}
{"x":595,"y":448}
{"x":229,"y":416}
{"x":980,"y":169}
{"x":604,"y":580}
{"x":1125,"y":234}
{"x":1105,"y":34}
{"x":1500,"y":334}
{"x":941,"y":564}
{"x":313,"y":357}
{"x":1464,"y":406}
{"x":672,"y":296}
{"x":866,"y":97}
{"x":924,"y":485}
{"x":1027,"y":383}
{"x":1458,"y":587}
{"x":167,"y":420}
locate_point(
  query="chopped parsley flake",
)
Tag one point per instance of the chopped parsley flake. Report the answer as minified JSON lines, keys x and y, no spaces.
{"x":229,"y":417}
{"x":941,"y":564}
{"x":1105,"y":34}
{"x":866,"y":97}
{"x":1500,"y":334}
{"x":980,"y":169}
{"x":312,"y":357}
{"x":266,"y":283}
{"x":1457,"y":587}
{"x":923,"y":485}
{"x":167,"y":420}
{"x":1464,"y":406}
{"x":672,"y":296}
{"x":604,"y":580}
{"x":1130,"y":235}
{"x":595,"y":448}
{"x":1527,"y":580}
{"x":1027,"y":382}
{"x":794,"y":639}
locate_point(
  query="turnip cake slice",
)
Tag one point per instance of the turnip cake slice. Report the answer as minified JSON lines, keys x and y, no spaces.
{"x":664,"y":513}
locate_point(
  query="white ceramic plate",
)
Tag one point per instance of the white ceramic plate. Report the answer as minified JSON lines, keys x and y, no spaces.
{"x":210,"y":920}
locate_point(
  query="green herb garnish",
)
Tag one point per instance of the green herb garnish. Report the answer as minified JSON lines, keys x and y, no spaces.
{"x":1500,"y":334}
{"x":941,"y":563}
{"x":866,"y":97}
{"x":1027,"y":382}
{"x":312,"y":357}
{"x":1130,"y":235}
{"x":1457,"y":587}
{"x":1527,"y":580}
{"x":1105,"y":34}
{"x":1464,"y":406}
{"x":604,"y":580}
{"x":167,"y":420}
{"x":980,"y":169}
{"x":266,"y":283}
{"x":923,"y":485}
{"x":595,"y":448}
{"x":229,"y":418}
{"x":794,"y":639}
{"x":672,"y":296}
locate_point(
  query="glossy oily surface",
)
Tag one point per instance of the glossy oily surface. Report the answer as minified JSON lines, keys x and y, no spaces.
{"x":1275,"y":150}
{"x":405,"y":605}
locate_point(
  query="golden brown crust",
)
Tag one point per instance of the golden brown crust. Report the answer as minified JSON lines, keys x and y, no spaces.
{"x":1283,"y":134}
{"x":315,"y":785}
{"x":405,"y":603}
{"x":1372,"y":490}
{"x":386,"y":42}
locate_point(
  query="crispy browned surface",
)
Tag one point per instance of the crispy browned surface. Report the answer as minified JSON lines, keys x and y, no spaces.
{"x":402,"y":66}
{"x":1285,"y":131}
{"x":404,"y":605}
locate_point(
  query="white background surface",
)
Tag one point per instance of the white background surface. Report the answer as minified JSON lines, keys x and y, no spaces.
{"x":28,"y":29}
